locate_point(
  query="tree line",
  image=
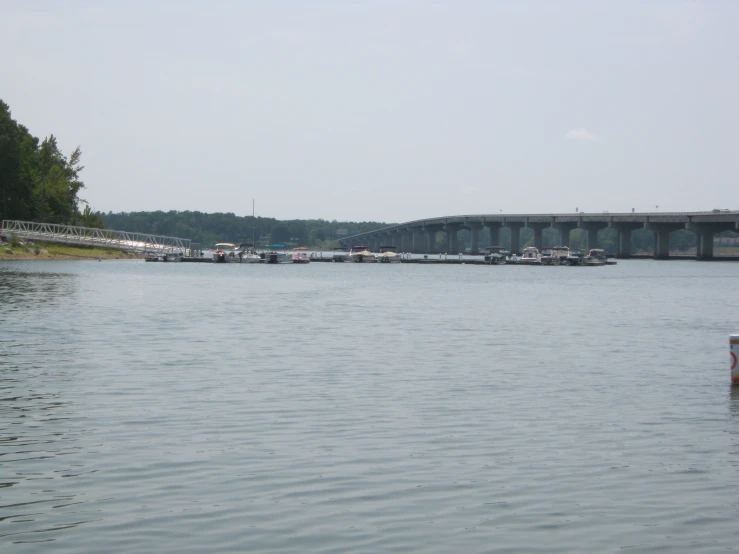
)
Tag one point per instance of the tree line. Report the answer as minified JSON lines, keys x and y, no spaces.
{"x":37,"y":181}
{"x":208,"y":229}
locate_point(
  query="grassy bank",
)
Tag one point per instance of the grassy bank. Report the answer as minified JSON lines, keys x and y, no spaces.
{"x":48,"y":251}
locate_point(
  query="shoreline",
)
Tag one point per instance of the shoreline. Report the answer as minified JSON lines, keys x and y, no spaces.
{"x":78,"y":254}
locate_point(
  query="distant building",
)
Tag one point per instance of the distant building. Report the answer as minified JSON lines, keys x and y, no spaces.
{"x":342,"y":232}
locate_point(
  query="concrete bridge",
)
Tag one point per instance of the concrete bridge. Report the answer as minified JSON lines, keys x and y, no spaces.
{"x":420,"y":236}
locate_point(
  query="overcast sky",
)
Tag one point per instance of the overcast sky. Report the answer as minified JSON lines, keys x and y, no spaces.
{"x":384,"y":110}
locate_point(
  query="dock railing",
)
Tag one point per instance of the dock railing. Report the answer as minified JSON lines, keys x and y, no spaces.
{"x":90,"y":237}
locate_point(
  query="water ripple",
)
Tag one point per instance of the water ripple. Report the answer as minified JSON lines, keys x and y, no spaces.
{"x":191,"y":408}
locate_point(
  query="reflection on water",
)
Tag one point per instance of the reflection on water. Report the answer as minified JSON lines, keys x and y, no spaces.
{"x":335,"y":407}
{"x":734,"y":400}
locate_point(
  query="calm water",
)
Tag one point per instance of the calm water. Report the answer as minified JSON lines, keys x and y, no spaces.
{"x":367,"y":408}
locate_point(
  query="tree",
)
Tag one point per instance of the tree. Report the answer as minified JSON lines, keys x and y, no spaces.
{"x":280,"y":234}
{"x":91,"y":219}
{"x":55,"y":194}
{"x":37,"y":182}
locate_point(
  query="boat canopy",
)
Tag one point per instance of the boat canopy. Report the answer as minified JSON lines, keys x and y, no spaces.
{"x":300,"y":249}
{"x":224,"y":245}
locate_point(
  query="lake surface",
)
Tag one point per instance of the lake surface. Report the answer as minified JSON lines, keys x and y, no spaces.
{"x":367,"y":408}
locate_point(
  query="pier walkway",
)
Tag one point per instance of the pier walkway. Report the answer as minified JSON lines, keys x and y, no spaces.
{"x":101,"y":238}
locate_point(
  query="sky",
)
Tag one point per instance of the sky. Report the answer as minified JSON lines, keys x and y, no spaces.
{"x":381,"y":110}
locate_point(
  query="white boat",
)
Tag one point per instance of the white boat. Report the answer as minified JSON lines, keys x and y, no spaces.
{"x":361,"y":254}
{"x":596,"y":256}
{"x":530,"y":256}
{"x":246,"y":254}
{"x":388,"y":255}
{"x":554,"y":255}
{"x":300,"y":255}
{"x":224,"y":252}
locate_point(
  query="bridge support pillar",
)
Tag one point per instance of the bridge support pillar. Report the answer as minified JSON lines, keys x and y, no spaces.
{"x":662,"y":237}
{"x":564,"y":232}
{"x":705,"y":232}
{"x":494,"y":233}
{"x":430,"y":239}
{"x":474,"y":228}
{"x":451,"y":238}
{"x":704,"y":250}
{"x":407,"y":241}
{"x":419,"y":246}
{"x":623,"y":241}
{"x":592,"y":228}
{"x":538,"y":233}
{"x":515,"y":228}
{"x":661,"y":245}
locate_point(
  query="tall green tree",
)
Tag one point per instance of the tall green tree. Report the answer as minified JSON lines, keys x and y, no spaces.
{"x":37,"y":182}
{"x":58,"y":184}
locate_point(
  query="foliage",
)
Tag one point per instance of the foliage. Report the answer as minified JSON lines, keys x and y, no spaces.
{"x":208,"y":229}
{"x":37,"y":182}
{"x":91,"y":219}
{"x":14,"y":241}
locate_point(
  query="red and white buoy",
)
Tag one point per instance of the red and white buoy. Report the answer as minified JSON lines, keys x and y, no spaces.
{"x":733,"y":354}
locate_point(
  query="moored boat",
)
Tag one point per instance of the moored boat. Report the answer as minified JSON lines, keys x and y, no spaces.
{"x":495,"y":255}
{"x":361,"y":254}
{"x":224,"y":252}
{"x":246,"y":254}
{"x":562,"y":252}
{"x":276,"y":258}
{"x":530,"y":256}
{"x":549,"y":257}
{"x":300,"y":255}
{"x":171,"y":257}
{"x":388,"y":255}
{"x":575,"y":258}
{"x":596,"y":256}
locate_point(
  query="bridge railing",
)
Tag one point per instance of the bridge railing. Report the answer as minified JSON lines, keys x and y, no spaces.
{"x":88,"y":236}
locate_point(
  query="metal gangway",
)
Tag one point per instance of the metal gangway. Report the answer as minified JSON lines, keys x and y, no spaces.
{"x":101,"y":238}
